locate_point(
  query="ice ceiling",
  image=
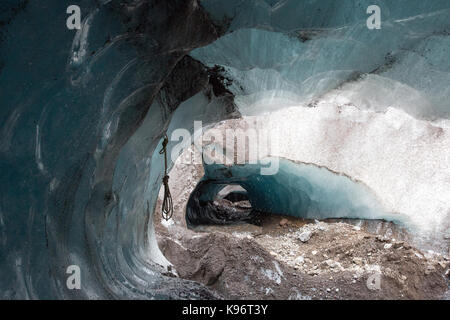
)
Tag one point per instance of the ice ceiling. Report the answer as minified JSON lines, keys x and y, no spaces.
{"x":83,"y":113}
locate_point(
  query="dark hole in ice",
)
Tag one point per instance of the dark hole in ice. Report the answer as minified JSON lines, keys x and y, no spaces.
{"x":233,"y":193}
{"x":230,"y":205}
{"x":236,"y":197}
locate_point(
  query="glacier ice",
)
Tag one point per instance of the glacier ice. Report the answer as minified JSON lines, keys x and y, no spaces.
{"x":398,"y":162}
{"x":297,"y":189}
{"x":405,"y":64}
{"x":83,"y":113}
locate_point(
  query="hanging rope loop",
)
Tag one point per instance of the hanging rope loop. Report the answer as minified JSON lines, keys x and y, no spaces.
{"x":167,"y":205}
{"x":164,"y":145}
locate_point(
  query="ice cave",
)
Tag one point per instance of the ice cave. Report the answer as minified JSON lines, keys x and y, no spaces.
{"x":354,"y":179}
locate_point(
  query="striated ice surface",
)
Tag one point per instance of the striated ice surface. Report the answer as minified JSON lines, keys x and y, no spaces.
{"x":403,"y":65}
{"x":80,"y":124}
{"x":82,"y":117}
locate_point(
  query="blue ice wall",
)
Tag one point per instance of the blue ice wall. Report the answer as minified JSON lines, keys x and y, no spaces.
{"x":298,"y":189}
{"x":293,"y":52}
{"x":70,"y":101}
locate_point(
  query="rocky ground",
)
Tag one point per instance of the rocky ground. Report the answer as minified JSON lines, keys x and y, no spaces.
{"x":317,"y":261}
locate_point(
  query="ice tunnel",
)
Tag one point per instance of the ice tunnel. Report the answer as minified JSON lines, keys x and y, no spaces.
{"x":297,"y":189}
{"x":84,"y":112}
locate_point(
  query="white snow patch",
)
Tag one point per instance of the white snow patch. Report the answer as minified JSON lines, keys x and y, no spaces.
{"x":273,"y":275}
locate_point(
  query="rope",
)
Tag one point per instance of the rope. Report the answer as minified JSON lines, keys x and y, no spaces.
{"x":167,"y":205}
